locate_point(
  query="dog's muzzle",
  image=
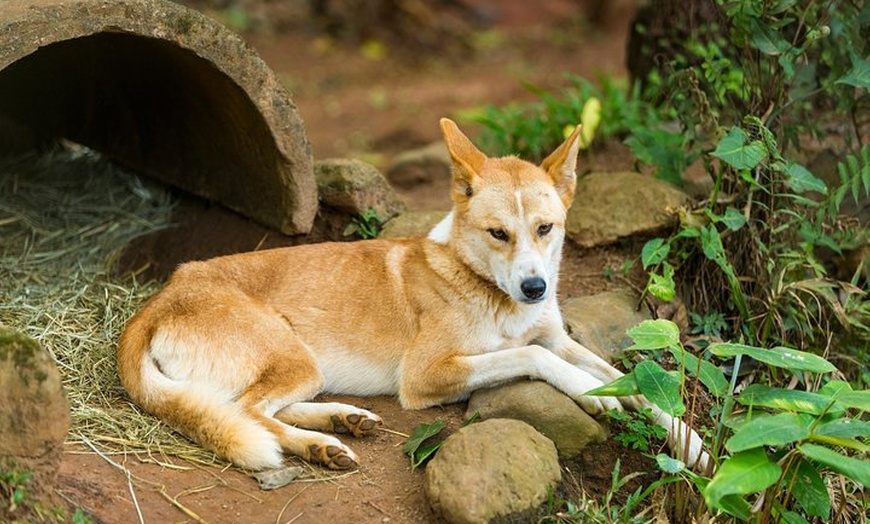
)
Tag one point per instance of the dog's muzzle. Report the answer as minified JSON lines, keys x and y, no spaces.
{"x":533,"y":288}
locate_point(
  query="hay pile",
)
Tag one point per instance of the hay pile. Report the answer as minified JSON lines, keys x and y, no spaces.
{"x":65,"y":216}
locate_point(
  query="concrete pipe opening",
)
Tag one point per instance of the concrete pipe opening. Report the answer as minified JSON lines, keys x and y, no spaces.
{"x":161,"y":89}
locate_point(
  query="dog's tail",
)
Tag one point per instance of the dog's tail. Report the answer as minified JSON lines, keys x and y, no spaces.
{"x":208,"y":417}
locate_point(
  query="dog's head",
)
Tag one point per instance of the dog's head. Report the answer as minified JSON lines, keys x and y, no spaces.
{"x":508,"y":218}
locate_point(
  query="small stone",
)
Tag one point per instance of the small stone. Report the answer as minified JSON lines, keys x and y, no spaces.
{"x":491,"y":468}
{"x":545,"y":408}
{"x":353,"y":187}
{"x":277,"y":478}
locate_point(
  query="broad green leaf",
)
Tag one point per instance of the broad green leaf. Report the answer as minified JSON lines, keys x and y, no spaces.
{"x":859,"y":75}
{"x":810,"y":491}
{"x":734,"y":151}
{"x":776,"y":431}
{"x":767,"y":39}
{"x":780,"y":357}
{"x":689,"y":232}
{"x":731,"y":504}
{"x":414,"y":447}
{"x":856,"y":469}
{"x":747,"y":472}
{"x":800,"y":180}
{"x":711,"y":245}
{"x":654,"y":252}
{"x":787,"y":399}
{"x":733,"y":219}
{"x":834,"y":388}
{"x":735,"y":421}
{"x":837,"y":442}
{"x":662,"y":286}
{"x":855,"y":399}
{"x":711,"y":376}
{"x":424,"y":453}
{"x":659,"y":387}
{"x":621,"y":387}
{"x":843,"y":428}
{"x":779,"y":6}
{"x":654,"y":334}
{"x":790,"y":517}
{"x":669,"y":464}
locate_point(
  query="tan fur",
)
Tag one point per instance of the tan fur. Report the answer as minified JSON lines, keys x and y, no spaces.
{"x":231,"y":350}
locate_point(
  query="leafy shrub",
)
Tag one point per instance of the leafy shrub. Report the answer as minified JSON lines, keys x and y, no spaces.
{"x":774,"y":444}
{"x":751,"y":251}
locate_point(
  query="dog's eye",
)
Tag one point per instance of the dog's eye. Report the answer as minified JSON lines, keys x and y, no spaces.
{"x":544,"y":229}
{"x":499,"y":234}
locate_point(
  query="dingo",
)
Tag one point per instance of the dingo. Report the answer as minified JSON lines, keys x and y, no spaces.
{"x":231,"y":350}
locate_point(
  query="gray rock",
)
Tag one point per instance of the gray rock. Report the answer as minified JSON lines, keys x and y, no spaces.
{"x":353,"y":186}
{"x":412,"y":223}
{"x":34,"y":413}
{"x":491,"y":468}
{"x":420,"y":166}
{"x":611,"y":206}
{"x":600,"y":321}
{"x":545,"y":408}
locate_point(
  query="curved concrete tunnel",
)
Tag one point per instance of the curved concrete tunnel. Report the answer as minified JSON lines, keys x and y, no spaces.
{"x":161,"y":89}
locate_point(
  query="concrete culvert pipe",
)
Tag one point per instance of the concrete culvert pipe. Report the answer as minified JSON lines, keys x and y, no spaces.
{"x":161,"y":89}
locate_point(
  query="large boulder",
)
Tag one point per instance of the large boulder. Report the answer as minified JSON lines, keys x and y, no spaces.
{"x":491,"y":468}
{"x":34,"y":415}
{"x":611,"y":206}
{"x":543,"y":407}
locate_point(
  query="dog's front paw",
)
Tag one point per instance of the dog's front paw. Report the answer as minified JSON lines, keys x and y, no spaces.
{"x":358,"y":424}
{"x":598,"y":405}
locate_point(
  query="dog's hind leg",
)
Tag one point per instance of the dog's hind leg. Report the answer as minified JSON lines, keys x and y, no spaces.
{"x":330,"y":416}
{"x":290,"y":380}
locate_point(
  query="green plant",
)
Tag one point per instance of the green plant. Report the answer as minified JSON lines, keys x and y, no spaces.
{"x":775,"y":444}
{"x":712,"y":324}
{"x":366,"y":224}
{"x":636,"y":429}
{"x":422,"y":445}
{"x":772,"y":236}
{"x":531,"y":130}
{"x":786,"y":69}
{"x":19,"y":505}
{"x":13,"y":486}
{"x":415,"y":448}
{"x":608,"y":510}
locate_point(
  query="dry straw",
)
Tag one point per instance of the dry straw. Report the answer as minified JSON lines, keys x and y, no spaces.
{"x":65,"y":216}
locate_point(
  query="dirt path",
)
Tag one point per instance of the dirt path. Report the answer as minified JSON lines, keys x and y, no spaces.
{"x":355,"y":106}
{"x":383,"y":489}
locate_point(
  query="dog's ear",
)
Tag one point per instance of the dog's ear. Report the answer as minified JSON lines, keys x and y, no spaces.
{"x":561,"y":166}
{"x":467,"y":159}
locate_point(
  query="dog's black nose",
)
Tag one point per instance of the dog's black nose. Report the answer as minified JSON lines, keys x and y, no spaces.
{"x":533,"y":288}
